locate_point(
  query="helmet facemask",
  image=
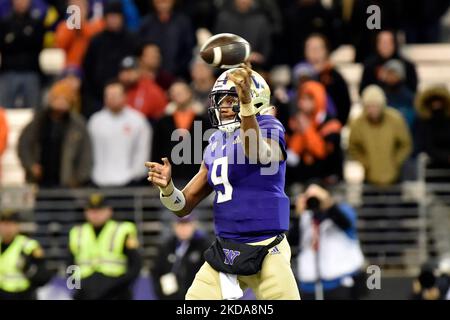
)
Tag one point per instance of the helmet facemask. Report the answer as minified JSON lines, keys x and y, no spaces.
{"x":219,"y":101}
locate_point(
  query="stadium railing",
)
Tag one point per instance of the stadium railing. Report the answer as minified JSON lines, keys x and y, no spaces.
{"x":400,"y":227}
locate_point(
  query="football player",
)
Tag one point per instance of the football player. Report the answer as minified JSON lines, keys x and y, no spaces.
{"x":251,"y":210}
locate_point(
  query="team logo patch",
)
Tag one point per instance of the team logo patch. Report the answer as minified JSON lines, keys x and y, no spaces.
{"x":230,"y":256}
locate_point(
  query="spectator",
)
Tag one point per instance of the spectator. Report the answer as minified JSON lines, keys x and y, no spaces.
{"x":120,"y":139}
{"x":21,"y":40}
{"x":303,"y":18}
{"x":317,"y":54}
{"x":130,"y":12}
{"x":430,"y":284}
{"x":244,"y":20}
{"x":173,"y":33}
{"x":422,"y":20}
{"x":179,"y":258}
{"x":101,"y":63}
{"x":75,"y":41}
{"x":330,"y":255}
{"x":72,"y":76}
{"x":433,"y":109}
{"x":23,"y":265}
{"x":39,"y":8}
{"x":150,"y":61}
{"x":203,"y":80}
{"x":54,"y":148}
{"x":398,"y":95}
{"x":3,"y":135}
{"x":379,"y":139}
{"x":314,"y":147}
{"x":355,"y":17}
{"x":182,"y":113}
{"x":386,"y":49}
{"x":202,"y":13}
{"x":106,"y":252}
{"x":280,"y":82}
{"x":142,"y":93}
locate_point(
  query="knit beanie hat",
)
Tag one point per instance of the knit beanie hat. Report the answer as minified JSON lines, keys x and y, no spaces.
{"x":62,"y":89}
{"x":373,"y":94}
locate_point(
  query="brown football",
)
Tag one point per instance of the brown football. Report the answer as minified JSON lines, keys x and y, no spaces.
{"x":225,"y":50}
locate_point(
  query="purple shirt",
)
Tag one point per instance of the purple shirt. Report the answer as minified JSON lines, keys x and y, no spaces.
{"x":250,"y":203}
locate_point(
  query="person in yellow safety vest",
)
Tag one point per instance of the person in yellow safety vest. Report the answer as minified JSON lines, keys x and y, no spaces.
{"x":22,"y":264}
{"x":105,"y":253}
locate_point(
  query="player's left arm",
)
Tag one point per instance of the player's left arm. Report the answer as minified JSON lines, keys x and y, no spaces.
{"x":256,"y":147}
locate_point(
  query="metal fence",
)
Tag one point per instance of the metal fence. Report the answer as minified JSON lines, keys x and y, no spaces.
{"x":400,"y":227}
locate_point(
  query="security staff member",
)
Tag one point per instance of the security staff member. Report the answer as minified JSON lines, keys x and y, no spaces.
{"x":22,"y":263}
{"x":106,"y":252}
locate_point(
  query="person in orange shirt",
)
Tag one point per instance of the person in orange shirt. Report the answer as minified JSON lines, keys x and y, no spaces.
{"x":3,"y":135}
{"x":142,"y":93}
{"x":314,"y":151}
{"x":75,"y":41}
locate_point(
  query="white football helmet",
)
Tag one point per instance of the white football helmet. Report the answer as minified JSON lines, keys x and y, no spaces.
{"x":260,"y":93}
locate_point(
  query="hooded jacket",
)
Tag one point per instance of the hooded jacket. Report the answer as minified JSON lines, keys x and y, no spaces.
{"x":375,"y":62}
{"x":319,"y":145}
{"x":433,"y":134}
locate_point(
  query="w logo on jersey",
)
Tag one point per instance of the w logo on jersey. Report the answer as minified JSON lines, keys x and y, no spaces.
{"x":230,"y":255}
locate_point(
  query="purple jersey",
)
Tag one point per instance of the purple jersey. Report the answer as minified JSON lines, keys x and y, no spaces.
{"x":250,"y":204}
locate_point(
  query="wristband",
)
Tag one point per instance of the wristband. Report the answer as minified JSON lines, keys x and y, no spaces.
{"x":247,"y":110}
{"x":167,"y":190}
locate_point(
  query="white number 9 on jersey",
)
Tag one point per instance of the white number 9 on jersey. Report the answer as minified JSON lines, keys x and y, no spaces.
{"x":221,"y":179}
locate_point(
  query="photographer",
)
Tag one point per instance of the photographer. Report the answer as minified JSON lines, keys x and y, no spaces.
{"x":433,"y":281}
{"x":330,"y":259}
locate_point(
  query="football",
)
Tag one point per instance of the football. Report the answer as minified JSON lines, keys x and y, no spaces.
{"x":225,"y":50}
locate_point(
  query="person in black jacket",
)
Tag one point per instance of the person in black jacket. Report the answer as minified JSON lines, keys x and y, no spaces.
{"x":172,"y":31}
{"x":21,"y":41}
{"x":103,"y":57}
{"x":305,"y":17}
{"x":433,"y":127}
{"x":422,"y":20}
{"x":179,"y":259}
{"x":386,"y":49}
{"x":245,"y":20}
{"x":355,"y":19}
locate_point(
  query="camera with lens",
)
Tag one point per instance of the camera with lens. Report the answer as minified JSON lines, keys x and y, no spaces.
{"x":313,"y":204}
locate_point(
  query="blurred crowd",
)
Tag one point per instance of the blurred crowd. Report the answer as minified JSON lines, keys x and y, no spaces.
{"x":132,"y":76}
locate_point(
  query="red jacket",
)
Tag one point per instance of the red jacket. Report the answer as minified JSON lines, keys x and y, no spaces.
{"x":147,"y":97}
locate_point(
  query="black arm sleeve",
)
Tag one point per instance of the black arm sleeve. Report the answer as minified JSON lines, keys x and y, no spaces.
{"x":124,"y":282}
{"x":339,"y":218}
{"x":37,"y":272}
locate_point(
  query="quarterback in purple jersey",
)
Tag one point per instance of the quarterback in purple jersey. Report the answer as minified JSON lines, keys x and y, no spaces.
{"x":244,"y":164}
